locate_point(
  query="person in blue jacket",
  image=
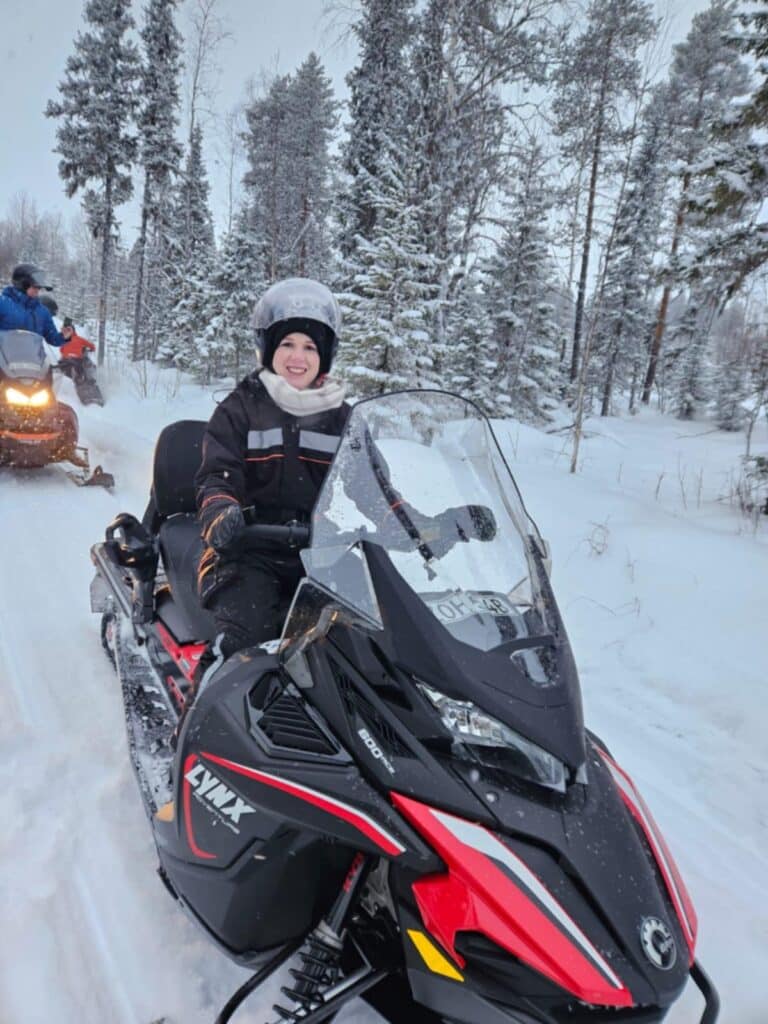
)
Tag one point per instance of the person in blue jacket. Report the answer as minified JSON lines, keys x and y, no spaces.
{"x":22,"y":310}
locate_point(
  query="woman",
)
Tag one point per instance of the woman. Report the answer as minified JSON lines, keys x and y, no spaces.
{"x":268,"y":444}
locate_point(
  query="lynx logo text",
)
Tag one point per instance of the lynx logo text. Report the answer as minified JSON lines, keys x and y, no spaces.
{"x":227,"y":806}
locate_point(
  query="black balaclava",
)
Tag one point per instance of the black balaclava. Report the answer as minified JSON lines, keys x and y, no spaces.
{"x":319,"y":333}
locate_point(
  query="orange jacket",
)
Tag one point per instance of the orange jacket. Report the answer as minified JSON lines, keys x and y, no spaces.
{"x":75,"y":348}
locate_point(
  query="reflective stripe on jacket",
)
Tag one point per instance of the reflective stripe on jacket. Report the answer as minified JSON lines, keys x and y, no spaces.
{"x":257,"y":454}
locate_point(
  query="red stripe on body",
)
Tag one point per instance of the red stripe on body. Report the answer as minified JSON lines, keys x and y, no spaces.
{"x":358,"y":819}
{"x":476,"y":894}
{"x":666,"y":864}
{"x":187,"y":800}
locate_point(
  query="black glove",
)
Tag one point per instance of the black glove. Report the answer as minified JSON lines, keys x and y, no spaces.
{"x":226,"y":528}
{"x":462,"y":523}
{"x":441,"y":532}
{"x":469,"y":522}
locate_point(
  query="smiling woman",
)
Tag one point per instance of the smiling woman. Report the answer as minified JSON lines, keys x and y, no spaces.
{"x":268,"y":445}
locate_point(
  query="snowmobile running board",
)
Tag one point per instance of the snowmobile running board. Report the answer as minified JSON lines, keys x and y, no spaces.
{"x":98,"y":478}
{"x":78,"y":470}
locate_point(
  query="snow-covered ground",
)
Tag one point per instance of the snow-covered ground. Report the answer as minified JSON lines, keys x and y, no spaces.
{"x":664,"y":590}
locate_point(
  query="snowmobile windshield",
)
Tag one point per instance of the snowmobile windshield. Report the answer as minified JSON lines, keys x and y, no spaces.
{"x":23,"y":355}
{"x":421,"y":474}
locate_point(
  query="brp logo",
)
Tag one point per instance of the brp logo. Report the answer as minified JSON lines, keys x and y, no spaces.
{"x":658,"y":943}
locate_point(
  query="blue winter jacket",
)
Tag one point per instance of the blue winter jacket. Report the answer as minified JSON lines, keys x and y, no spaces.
{"x":20,"y":312}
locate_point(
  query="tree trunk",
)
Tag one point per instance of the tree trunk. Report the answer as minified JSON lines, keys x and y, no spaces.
{"x":661,"y":320}
{"x":605,"y":409}
{"x":106,"y":241}
{"x":582,"y":289}
{"x":142,"y":248}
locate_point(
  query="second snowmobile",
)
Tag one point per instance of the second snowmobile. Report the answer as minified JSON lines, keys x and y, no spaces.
{"x":82,"y":373}
{"x":36,"y":429}
{"x":400,"y":793}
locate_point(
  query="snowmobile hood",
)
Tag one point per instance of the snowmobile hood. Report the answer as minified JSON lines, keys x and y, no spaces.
{"x":465,"y":608}
{"x":23,"y":356}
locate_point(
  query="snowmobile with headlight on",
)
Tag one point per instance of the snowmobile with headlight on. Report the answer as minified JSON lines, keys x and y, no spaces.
{"x":401,"y":793}
{"x":36,"y":429}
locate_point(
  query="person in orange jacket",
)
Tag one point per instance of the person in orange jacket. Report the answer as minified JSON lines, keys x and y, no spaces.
{"x":76,"y":347}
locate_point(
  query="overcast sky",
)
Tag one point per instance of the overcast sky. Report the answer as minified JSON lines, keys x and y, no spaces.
{"x":38,"y":36}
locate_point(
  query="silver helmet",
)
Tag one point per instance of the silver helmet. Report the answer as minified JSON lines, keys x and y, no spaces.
{"x":297,"y":304}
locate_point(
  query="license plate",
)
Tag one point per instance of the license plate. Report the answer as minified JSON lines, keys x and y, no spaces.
{"x":455,"y":607}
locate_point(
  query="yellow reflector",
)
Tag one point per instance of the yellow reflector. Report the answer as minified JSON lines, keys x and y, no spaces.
{"x":432,"y":957}
{"x":167,"y":812}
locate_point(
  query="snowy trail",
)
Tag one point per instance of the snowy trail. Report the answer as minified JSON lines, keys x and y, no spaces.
{"x":670,"y":666}
{"x":88,"y":929}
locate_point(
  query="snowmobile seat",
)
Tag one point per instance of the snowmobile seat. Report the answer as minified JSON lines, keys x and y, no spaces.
{"x":181,"y":546}
{"x":173,"y":516}
{"x":178,"y":452}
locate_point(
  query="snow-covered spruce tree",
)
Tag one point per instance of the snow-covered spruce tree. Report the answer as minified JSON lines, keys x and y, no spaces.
{"x":390,"y":300}
{"x":192,"y":252}
{"x":226,"y":342}
{"x":387,"y":311}
{"x":313,"y":115}
{"x":465,"y":53}
{"x":288,"y":178}
{"x":385,"y":274}
{"x":732,"y":391}
{"x":468,"y":364}
{"x":598,"y":74}
{"x":691,"y":375}
{"x":524,"y":336}
{"x":159,"y":156}
{"x":738,"y":183}
{"x":707,"y":75}
{"x":96,"y":105}
{"x":625,"y":313}
{"x":379,"y":108}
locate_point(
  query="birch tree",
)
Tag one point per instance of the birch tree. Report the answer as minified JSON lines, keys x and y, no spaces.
{"x":600,"y":72}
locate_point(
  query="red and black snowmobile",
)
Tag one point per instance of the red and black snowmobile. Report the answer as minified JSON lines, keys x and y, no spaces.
{"x":400,"y":793}
{"x":35,"y":428}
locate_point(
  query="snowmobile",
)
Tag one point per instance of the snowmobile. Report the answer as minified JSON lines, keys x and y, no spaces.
{"x":399,"y":792}
{"x":82,"y":372}
{"x":35,"y":428}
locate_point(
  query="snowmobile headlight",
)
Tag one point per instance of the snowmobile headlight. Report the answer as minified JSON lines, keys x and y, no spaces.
{"x":40,"y":398}
{"x":494,"y":744}
{"x":16,"y":397}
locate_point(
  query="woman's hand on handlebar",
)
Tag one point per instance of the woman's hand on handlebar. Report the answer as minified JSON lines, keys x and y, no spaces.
{"x":227,"y":528}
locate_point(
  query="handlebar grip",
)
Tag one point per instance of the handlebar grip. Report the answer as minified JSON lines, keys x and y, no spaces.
{"x":293,"y":535}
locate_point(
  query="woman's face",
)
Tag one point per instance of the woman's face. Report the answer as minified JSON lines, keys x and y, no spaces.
{"x":297,"y":360}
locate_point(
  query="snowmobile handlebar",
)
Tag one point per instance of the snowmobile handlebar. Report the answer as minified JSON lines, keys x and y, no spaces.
{"x":293,"y":534}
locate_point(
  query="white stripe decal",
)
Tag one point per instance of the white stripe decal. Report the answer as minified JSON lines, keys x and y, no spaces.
{"x":215,"y":664}
{"x":258,"y":439}
{"x":627,"y":787}
{"x":318,"y":442}
{"x":353,"y":812}
{"x":485,"y":842}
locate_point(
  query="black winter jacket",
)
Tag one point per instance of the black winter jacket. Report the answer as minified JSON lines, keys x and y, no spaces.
{"x":257,"y":454}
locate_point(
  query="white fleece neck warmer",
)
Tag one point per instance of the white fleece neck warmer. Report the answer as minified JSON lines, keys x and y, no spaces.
{"x":329,"y":395}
